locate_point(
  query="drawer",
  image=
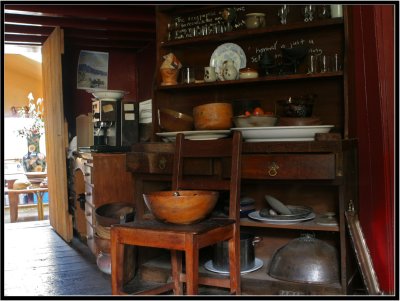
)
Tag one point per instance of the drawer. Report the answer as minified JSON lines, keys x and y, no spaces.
{"x":89,"y":214}
{"x":299,"y":166}
{"x":89,"y":194}
{"x":154,"y":163}
{"x":162,"y":163}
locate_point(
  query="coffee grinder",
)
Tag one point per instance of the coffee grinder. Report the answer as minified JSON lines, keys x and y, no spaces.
{"x":115,"y":125}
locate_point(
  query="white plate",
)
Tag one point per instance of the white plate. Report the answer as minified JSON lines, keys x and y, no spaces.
{"x":256,"y":216}
{"x":107,"y":94}
{"x":195,"y":135}
{"x":227,"y":51}
{"x":258,"y":263}
{"x":282,"y":133}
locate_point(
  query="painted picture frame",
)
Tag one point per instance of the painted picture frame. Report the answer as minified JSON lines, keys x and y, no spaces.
{"x":92,"y":70}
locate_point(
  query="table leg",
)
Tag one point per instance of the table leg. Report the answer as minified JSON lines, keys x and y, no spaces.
{"x":14,"y":200}
{"x":40,"y":205}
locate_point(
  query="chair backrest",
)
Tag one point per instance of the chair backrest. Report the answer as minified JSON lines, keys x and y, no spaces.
{"x":219,"y":151}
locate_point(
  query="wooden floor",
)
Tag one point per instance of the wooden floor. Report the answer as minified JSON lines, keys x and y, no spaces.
{"x":38,"y":262}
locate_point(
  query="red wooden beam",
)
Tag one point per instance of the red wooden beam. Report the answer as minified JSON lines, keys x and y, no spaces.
{"x":9,"y":38}
{"x":106,"y":43}
{"x":107,"y":34}
{"x":128,"y":13}
{"x":33,"y":30}
{"x":78,"y":23}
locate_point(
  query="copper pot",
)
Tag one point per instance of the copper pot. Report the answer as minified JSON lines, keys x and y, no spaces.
{"x":306,"y":260}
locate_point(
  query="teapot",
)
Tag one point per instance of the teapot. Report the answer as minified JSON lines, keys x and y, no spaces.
{"x":229,"y":71}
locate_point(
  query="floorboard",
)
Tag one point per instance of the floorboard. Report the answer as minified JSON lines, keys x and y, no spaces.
{"x":38,"y":262}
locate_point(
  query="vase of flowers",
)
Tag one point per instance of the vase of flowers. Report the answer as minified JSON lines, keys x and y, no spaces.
{"x":33,"y":160}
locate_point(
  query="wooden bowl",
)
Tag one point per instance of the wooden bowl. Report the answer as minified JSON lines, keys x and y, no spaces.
{"x":114,"y":213}
{"x":182,"y":206}
{"x":173,"y":121}
{"x":213,"y":116}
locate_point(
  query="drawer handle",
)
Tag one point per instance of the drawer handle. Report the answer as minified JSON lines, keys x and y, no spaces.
{"x":88,"y":214}
{"x":88,"y":193}
{"x":87,"y":174}
{"x":162,"y":163}
{"x":273,"y":169}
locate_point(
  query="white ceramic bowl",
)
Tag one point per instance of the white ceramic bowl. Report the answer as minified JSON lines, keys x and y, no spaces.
{"x":108,"y":94}
{"x":246,"y":73}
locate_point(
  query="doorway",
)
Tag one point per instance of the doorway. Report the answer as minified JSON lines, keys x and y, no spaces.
{"x":23,"y":108}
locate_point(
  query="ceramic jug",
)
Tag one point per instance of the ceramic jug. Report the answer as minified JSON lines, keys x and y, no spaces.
{"x":229,"y":72}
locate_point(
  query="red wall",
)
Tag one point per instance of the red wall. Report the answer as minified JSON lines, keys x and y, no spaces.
{"x":372,"y":87}
{"x":125,"y":73}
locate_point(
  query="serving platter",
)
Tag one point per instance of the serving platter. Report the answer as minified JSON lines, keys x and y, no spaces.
{"x":195,"y":135}
{"x":258,"y":263}
{"x":227,"y":51}
{"x":110,"y":95}
{"x":256,"y":216}
{"x":282,"y":133}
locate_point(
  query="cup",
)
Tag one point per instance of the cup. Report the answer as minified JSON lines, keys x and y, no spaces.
{"x":312,"y":64}
{"x":336,"y":11}
{"x":337,"y":62}
{"x":325,"y":64}
{"x":187,"y":75}
{"x":209,"y":74}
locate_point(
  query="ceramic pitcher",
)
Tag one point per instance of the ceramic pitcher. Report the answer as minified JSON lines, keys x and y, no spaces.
{"x":229,"y":72}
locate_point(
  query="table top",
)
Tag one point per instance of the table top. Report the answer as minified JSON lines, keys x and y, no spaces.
{"x":27,"y":190}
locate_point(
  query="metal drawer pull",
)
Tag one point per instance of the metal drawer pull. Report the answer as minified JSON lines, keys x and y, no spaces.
{"x":88,"y":193}
{"x":162,"y":163}
{"x":273,"y":169}
{"x":87,"y":174}
{"x":88,"y":214}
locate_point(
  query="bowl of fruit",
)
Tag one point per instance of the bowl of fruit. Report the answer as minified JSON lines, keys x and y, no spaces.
{"x":256,"y":118}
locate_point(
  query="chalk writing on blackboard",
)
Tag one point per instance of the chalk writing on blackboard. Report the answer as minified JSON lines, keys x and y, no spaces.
{"x":277,"y":45}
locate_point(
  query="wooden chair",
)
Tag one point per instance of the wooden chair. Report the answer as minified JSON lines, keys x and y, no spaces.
{"x":189,"y":238}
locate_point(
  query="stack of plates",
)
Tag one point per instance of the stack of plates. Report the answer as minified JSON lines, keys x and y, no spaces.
{"x":300,"y":214}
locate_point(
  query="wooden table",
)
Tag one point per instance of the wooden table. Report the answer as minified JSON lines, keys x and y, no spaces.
{"x":14,"y":200}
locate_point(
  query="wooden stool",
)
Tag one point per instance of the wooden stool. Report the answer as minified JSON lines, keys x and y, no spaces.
{"x":189,"y":238}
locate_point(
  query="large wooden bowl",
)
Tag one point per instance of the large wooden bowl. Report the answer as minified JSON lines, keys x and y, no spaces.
{"x":213,"y":116}
{"x":182,"y":206}
{"x":173,"y":121}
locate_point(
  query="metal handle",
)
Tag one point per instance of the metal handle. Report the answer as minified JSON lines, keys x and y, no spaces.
{"x":87,"y":174}
{"x":162,"y":163}
{"x":88,"y":214}
{"x":88,"y":193}
{"x":273,"y":169}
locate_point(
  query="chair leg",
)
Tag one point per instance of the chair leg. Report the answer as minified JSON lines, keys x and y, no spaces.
{"x":192,"y":267}
{"x":234,"y":263}
{"x":117,"y":263}
{"x":176,"y":264}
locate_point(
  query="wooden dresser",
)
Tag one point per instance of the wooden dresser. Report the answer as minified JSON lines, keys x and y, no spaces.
{"x":99,"y":178}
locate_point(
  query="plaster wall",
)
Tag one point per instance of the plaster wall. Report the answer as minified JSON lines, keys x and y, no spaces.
{"x":21,"y":76}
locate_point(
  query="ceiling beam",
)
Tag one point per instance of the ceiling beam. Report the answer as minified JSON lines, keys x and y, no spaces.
{"x":107,"y":34}
{"x":128,"y":13}
{"x":78,"y":23}
{"x":105,"y":43}
{"x":38,"y":30}
{"x":10,"y":38}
